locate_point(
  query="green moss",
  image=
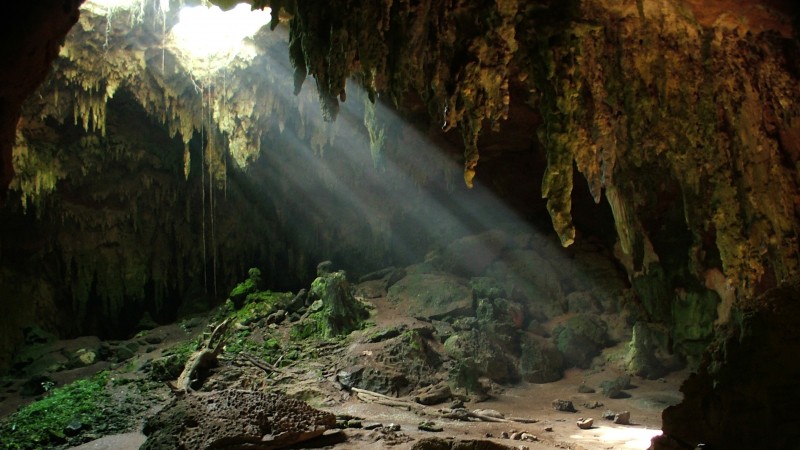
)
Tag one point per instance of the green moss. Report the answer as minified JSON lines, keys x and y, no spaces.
{"x":335,"y":313}
{"x":41,"y":424}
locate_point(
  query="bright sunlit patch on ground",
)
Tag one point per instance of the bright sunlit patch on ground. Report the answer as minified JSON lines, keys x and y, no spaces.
{"x":214,"y":36}
{"x":623,"y":438}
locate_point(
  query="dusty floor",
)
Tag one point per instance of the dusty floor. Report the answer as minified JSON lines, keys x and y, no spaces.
{"x":531,"y":401}
{"x":553,"y":429}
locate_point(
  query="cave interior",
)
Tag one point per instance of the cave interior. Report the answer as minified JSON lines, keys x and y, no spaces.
{"x":548,"y":185}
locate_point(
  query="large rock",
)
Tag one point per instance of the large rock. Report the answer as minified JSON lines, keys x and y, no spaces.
{"x":335,"y":310}
{"x":432,"y":296}
{"x":693,"y":316}
{"x":443,"y":444}
{"x":745,"y":391}
{"x":581,"y":338}
{"x":527,"y":276}
{"x":478,"y":354}
{"x":234,"y":419}
{"x":471,"y":255}
{"x":540,"y":361}
{"x":405,"y":362}
{"x":648,"y":353}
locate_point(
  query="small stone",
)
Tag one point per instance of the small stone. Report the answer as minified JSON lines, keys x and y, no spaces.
{"x":563,"y":405}
{"x":608,"y":414}
{"x":458,"y":404}
{"x":489,"y":413}
{"x":86,"y":357}
{"x":372,"y":426}
{"x":488,"y":435}
{"x":585,"y":424}
{"x":393,"y":427}
{"x":429,"y":426}
{"x":529,"y":437}
{"x":504,"y":435}
{"x":524,"y":447}
{"x":548,"y":429}
{"x":516,"y":436}
{"x":623,"y":418}
{"x":73,"y":428}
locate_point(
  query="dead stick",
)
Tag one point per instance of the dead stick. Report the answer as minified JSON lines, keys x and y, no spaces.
{"x":374,"y":394}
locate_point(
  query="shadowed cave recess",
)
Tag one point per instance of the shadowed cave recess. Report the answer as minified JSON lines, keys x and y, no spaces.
{"x":545,"y":188}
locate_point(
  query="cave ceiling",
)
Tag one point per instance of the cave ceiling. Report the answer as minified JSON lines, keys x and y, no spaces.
{"x":656,"y":104}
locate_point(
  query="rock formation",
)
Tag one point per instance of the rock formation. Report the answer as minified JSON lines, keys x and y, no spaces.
{"x":234,"y":419}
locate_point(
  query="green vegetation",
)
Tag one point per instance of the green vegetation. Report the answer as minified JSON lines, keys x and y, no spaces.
{"x":44,"y":423}
{"x":335,"y":312}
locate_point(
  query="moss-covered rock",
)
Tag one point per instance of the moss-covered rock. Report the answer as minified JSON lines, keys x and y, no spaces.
{"x":581,"y":338}
{"x":529,"y":277}
{"x":649,"y":354}
{"x":540,"y":361}
{"x":335,"y":312}
{"x":249,"y":286}
{"x":432,"y":295}
{"x":480,"y":354}
{"x":693,"y":317}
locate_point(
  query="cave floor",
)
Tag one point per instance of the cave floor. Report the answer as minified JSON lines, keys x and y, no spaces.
{"x":315,"y":380}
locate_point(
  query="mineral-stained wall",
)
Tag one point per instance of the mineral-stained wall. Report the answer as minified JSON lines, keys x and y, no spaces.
{"x":35,"y":32}
{"x":703,"y":97}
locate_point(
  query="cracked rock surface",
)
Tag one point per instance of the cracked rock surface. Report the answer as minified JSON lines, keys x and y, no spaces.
{"x":232,"y":419}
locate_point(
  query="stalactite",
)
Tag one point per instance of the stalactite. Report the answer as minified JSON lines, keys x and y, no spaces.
{"x":377,"y":132}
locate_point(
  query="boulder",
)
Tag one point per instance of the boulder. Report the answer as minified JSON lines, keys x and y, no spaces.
{"x":540,"y":361}
{"x":450,"y":444}
{"x":563,"y":405}
{"x":234,"y":419}
{"x":471,"y":255}
{"x":335,"y":311}
{"x":432,"y":296}
{"x":581,"y":338}
{"x":480,"y":354}
{"x":648,"y":354}
{"x":528,"y":277}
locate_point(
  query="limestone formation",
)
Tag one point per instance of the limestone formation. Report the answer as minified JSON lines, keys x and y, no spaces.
{"x":231,"y":419}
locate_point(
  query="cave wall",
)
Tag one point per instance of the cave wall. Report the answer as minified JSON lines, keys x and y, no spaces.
{"x":36,"y":32}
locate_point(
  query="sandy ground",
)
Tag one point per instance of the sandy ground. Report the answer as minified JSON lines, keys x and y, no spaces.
{"x":530,"y":401}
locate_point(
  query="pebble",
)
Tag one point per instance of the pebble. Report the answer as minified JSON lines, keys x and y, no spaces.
{"x":585,"y":424}
{"x":563,"y":405}
{"x":529,"y":437}
{"x":622,"y":418}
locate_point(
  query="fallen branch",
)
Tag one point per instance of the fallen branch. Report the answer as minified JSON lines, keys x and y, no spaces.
{"x":204,"y":358}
